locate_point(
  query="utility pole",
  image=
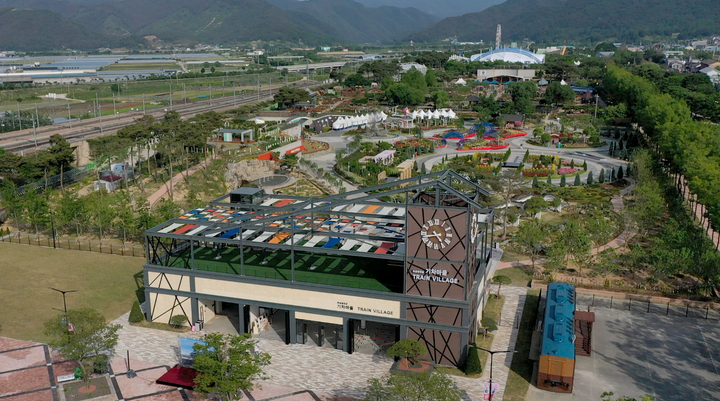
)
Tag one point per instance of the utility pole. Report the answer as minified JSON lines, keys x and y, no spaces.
{"x":171,"y":95}
{"x":99,"y":111}
{"x":258,"y":88}
{"x":184,"y":94}
{"x":114,"y":110}
{"x":69,"y":116}
{"x":143,"y":97}
{"x":19,"y":119}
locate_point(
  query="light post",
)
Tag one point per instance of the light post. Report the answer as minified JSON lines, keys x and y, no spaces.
{"x":64,"y":306}
{"x":490,"y":393}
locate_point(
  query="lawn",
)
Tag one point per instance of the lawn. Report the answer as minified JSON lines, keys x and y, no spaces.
{"x":106,"y":283}
{"x":522,"y":367}
{"x":520,"y":276}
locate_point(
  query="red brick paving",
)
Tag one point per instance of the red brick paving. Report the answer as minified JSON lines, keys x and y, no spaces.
{"x":24,"y":380}
{"x":144,"y":386}
{"x":45,"y":395}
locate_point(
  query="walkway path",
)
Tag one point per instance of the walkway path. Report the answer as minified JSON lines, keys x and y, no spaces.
{"x":504,"y":339}
{"x":155,"y":197}
{"x":326,"y":371}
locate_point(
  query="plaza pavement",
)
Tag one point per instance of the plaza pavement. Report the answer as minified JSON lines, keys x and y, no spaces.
{"x":327,"y":372}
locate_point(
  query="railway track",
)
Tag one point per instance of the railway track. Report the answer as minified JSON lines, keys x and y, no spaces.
{"x":30,"y":139}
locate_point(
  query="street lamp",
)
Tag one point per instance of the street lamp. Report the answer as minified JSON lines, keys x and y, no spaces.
{"x":490,"y":393}
{"x":63,"y":293}
{"x":64,"y":307}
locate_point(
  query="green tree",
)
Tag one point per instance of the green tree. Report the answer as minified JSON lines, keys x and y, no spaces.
{"x":590,"y":179}
{"x":563,"y":180}
{"x":601,"y":177}
{"x":577,"y":182}
{"x":37,"y":211}
{"x":472,"y":364}
{"x":412,"y":386}
{"x":440,"y":98}
{"x":559,"y":94}
{"x":288,"y":96}
{"x":289,"y":162}
{"x":356,"y":80}
{"x":407,"y":348}
{"x":549,"y":179}
{"x":531,"y":237}
{"x":404,"y":95}
{"x":136,"y":315}
{"x":12,"y":202}
{"x":535,"y":204}
{"x":500,"y":280}
{"x":545,"y":138}
{"x":577,"y":242}
{"x":536,"y":182}
{"x":227,"y":364}
{"x":511,"y":182}
{"x":82,"y":336}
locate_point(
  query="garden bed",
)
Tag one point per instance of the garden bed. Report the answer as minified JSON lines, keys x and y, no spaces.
{"x":76,"y":391}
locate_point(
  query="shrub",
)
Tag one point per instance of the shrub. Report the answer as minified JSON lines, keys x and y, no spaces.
{"x":590,"y":179}
{"x":136,"y":315}
{"x":577,"y":180}
{"x":488,"y":324}
{"x":406,"y":348}
{"x":178,"y":321}
{"x":472,"y":365}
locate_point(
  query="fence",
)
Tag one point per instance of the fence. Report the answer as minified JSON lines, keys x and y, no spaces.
{"x":76,"y":245}
{"x":673,"y":308}
{"x":68,"y":177}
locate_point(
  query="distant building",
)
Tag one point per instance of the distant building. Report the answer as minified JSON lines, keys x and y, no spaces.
{"x":511,"y":55}
{"x":505,"y":74}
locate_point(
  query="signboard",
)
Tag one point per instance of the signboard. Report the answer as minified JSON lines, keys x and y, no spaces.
{"x":495,"y":388}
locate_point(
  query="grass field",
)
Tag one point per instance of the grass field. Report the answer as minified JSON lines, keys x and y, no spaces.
{"x":519,"y":276}
{"x":106,"y":283}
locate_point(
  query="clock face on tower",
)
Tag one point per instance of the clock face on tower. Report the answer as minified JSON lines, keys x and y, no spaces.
{"x":436,"y":234}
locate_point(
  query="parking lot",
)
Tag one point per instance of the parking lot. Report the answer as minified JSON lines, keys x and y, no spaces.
{"x":636,"y":353}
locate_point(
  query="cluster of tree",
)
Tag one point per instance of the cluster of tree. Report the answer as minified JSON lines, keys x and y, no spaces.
{"x":101,"y":214}
{"x":668,"y":241}
{"x":688,"y":148}
{"x":287,"y":96}
{"x":174,"y":140}
{"x":522,"y":95}
{"x":696,"y":90}
{"x":20,"y":170}
{"x":410,"y":91}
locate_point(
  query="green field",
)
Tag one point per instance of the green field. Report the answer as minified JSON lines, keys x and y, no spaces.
{"x":106,"y":283}
{"x":370,"y":274}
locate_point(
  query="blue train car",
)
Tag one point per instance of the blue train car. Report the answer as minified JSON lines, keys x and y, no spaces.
{"x":556,"y":368}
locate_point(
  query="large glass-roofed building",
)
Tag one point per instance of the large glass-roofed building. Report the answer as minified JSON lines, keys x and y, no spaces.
{"x":348,"y":271}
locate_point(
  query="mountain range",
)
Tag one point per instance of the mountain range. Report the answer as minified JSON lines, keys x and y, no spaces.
{"x":84,"y":23}
{"x":580,"y":21}
{"x":439,"y":8}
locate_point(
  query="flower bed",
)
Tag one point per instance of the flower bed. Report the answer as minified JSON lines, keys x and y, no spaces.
{"x":567,"y":170}
{"x":540,"y":172}
{"x":489,"y":148}
{"x":313,"y":146}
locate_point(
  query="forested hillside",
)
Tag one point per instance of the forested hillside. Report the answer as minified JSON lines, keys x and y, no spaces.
{"x":208,"y":21}
{"x":558,"y":21}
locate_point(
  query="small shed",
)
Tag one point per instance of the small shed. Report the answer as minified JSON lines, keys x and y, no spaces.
{"x":247,"y":195}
